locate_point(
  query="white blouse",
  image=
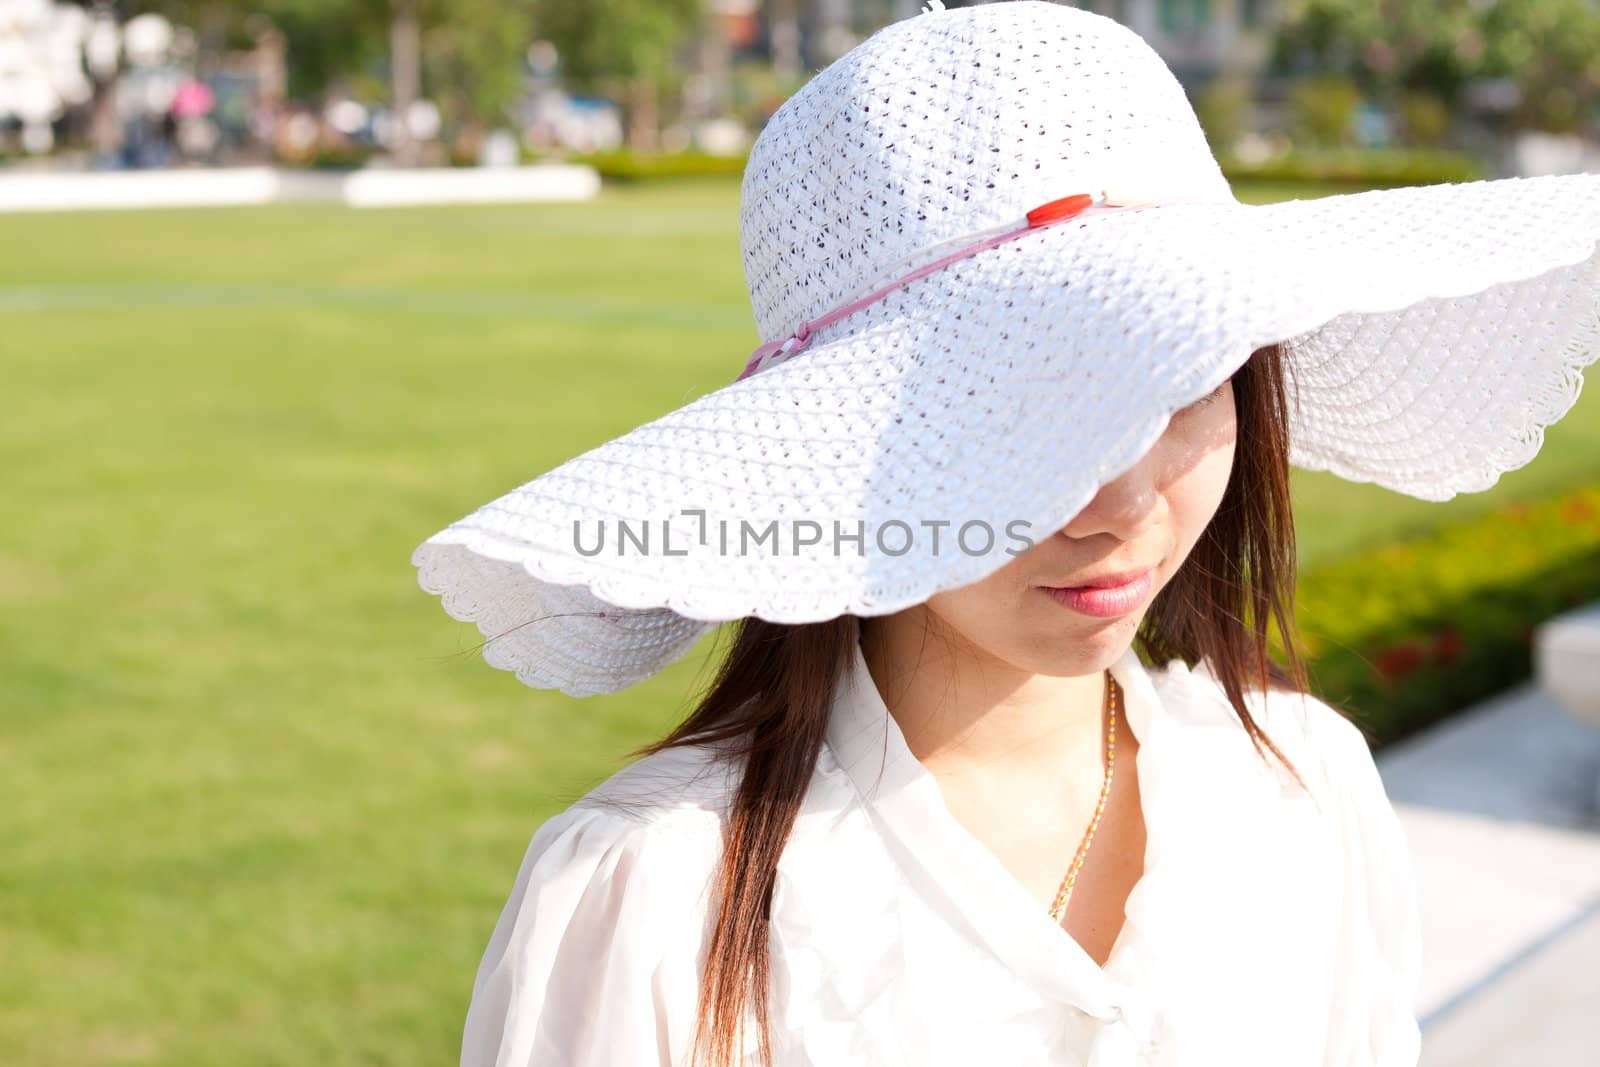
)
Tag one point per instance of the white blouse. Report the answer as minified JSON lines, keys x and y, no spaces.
{"x":1267,"y":929}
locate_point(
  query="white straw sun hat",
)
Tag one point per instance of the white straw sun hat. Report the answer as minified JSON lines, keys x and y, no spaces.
{"x":990,"y":254}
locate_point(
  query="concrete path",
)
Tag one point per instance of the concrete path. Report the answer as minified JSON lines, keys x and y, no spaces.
{"x":1499,"y":807}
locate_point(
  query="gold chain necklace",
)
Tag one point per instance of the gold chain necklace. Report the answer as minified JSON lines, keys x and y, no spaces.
{"x":1113,"y":701}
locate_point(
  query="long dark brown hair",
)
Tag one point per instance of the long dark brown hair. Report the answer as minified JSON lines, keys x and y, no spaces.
{"x":768,"y":703}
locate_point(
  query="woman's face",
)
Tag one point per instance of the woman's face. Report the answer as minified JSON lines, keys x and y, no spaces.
{"x":1148,"y":518}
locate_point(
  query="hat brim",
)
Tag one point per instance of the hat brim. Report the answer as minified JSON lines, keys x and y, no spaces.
{"x":1434,"y":332}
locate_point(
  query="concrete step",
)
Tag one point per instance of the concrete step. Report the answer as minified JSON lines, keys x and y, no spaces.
{"x":1499,"y":807}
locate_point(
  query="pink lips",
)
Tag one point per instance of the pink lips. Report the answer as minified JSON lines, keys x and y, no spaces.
{"x":1106,"y":581}
{"x":1106,"y":597}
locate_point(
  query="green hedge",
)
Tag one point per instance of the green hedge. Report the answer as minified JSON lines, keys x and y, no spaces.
{"x":353,"y":157}
{"x":623,"y":166}
{"x":1367,"y":168}
{"x":1406,"y":634}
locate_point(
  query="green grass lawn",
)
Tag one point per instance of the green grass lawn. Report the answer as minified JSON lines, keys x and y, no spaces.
{"x":263,"y":800}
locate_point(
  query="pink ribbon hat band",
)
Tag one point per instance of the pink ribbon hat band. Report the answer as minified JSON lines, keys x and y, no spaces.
{"x":774,"y":352}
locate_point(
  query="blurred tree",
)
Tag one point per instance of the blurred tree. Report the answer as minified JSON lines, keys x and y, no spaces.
{"x":1388,"y":45}
{"x":1223,"y":107}
{"x":623,"y":48}
{"x":1324,"y":108}
{"x":1549,"y":48}
{"x":474,"y":60}
{"x":1425,"y":118}
{"x":329,"y":40}
{"x":405,"y":73}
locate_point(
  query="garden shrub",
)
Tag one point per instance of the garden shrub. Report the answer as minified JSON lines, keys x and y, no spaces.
{"x":1365,"y":168}
{"x":1405,"y":634}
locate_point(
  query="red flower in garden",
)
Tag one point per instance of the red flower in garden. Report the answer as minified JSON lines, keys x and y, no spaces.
{"x":1398,"y":660}
{"x":1578,"y":510}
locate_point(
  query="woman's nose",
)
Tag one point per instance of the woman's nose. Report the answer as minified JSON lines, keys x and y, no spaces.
{"x":1128,"y":507}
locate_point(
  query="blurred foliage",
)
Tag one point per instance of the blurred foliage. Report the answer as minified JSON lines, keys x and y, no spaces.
{"x":340,"y":156}
{"x":472,"y":50}
{"x":330,"y":41}
{"x":626,"y":166}
{"x":473,"y":54}
{"x":1358,"y":167}
{"x":758,"y":89}
{"x":1223,"y":107}
{"x":1410,"y":631}
{"x":1323,"y":108}
{"x":1333,"y":168}
{"x":626,"y":50}
{"x":1550,"y":49}
{"x":1425,"y":118}
{"x":600,"y":41}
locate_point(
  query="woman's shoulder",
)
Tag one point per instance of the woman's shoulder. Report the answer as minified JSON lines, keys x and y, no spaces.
{"x":685,"y":795}
{"x":654,"y":825}
{"x":594,"y":955}
{"x":1313,"y":733}
{"x":681,"y":787}
{"x":1380,"y":931}
{"x":1298,"y":715}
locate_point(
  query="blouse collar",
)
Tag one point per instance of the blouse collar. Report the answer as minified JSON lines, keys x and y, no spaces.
{"x":870,"y":747}
{"x":1193,"y":764}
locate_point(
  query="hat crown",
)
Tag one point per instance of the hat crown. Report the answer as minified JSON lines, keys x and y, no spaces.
{"x":947,"y":123}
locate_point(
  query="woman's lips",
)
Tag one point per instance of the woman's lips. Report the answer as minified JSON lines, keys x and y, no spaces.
{"x":1104,"y":601}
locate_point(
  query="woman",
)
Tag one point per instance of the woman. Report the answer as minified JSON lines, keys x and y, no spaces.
{"x":952,"y":798}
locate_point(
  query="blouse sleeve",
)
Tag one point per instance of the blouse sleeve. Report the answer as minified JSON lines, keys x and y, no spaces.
{"x":1373,"y":1021}
{"x":593,"y":959}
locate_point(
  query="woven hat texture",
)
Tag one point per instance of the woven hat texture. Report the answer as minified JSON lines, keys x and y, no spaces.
{"x":1433,"y":333}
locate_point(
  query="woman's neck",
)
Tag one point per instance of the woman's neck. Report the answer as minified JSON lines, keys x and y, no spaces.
{"x":966,"y":713}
